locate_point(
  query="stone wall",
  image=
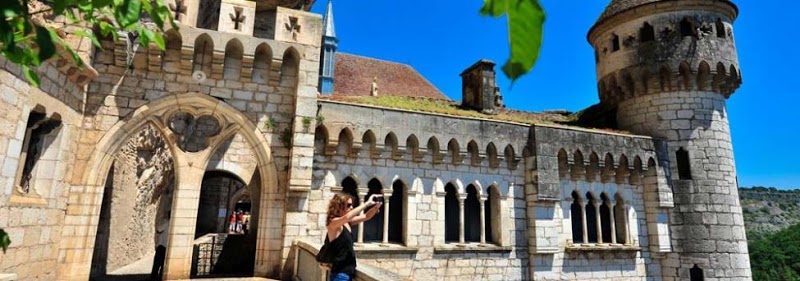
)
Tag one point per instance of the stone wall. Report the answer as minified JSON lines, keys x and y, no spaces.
{"x":35,"y":220}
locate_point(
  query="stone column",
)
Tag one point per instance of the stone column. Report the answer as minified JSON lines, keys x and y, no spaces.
{"x":482,"y":216}
{"x":360,"y":238}
{"x":386,"y":199}
{"x":598,"y":222}
{"x":461,"y":220}
{"x":189,"y":178}
{"x":583,"y":221}
{"x":613,"y":222}
{"x":628,"y":240}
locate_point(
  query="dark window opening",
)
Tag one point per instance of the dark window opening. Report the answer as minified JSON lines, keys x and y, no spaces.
{"x":451,"y":214}
{"x":577,"y":218}
{"x":614,"y":43}
{"x":684,"y":170}
{"x":472,"y":219}
{"x":373,"y":228}
{"x":396,"y":207}
{"x":605,"y":219}
{"x":720,"y":29}
{"x":687,"y":28}
{"x":591,"y":218}
{"x":37,"y":128}
{"x":696,"y":273}
{"x":647,"y":33}
{"x":487,"y":215}
{"x":349,"y":186}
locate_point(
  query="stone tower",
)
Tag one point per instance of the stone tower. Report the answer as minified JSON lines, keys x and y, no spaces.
{"x":328,"y":56}
{"x":478,"y":87}
{"x":668,"y":66}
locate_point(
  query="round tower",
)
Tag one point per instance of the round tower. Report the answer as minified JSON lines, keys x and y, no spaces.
{"x":668,"y":66}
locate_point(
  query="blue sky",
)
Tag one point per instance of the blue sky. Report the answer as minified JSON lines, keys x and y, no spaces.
{"x":441,"y":38}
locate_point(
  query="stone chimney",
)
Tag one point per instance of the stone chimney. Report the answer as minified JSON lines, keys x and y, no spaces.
{"x":478,"y":88}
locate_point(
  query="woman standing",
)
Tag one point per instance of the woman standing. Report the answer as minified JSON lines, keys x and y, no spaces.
{"x":341,"y":215}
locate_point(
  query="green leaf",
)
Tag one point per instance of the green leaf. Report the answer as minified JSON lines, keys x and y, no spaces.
{"x":30,"y":75}
{"x":4,"y":240}
{"x":128,"y":12}
{"x":44,"y":41}
{"x":89,"y":35}
{"x":525,"y":32}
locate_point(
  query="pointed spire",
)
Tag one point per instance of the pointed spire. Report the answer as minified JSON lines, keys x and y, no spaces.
{"x":328,"y":30}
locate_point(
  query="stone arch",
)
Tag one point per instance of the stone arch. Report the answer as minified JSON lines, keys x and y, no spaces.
{"x":290,"y":68}
{"x":593,"y":169}
{"x":390,"y":145}
{"x":622,"y":172}
{"x":635,"y":174}
{"x":576,"y":216}
{"x":262,"y":63}
{"x":454,"y":151}
{"x":719,"y":78}
{"x":433,"y":149}
{"x":472,"y":207}
{"x":608,"y":168}
{"x":369,"y":142}
{"x":172,"y":50}
{"x":491,"y":154}
{"x":628,"y":84}
{"x":234,"y":52}
{"x":605,"y":218}
{"x":620,"y":219}
{"x":203,"y":54}
{"x":645,"y":82}
{"x":665,"y":78}
{"x":452,"y":212}
{"x":526,"y":152}
{"x":511,"y":157}
{"x":373,"y":229}
{"x":578,"y":167}
{"x":591,"y":217}
{"x":734,"y":79}
{"x":321,"y":139}
{"x":474,"y":153}
{"x":703,"y":76}
{"x":685,"y":72}
{"x":563,"y":164}
{"x":398,"y":212}
{"x":345,"y":142}
{"x":493,"y":217}
{"x":412,"y":146}
{"x":268,"y":257}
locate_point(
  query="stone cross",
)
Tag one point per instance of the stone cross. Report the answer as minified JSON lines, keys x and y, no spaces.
{"x":293,"y":27}
{"x":178,"y":8}
{"x":238,"y":18}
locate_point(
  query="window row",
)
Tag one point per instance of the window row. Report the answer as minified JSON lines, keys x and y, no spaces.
{"x":687,"y":27}
{"x":391,"y":149}
{"x":629,"y":83}
{"x":466,"y":219}
{"x":599,"y":220}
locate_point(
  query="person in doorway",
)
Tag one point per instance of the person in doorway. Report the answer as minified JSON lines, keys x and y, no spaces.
{"x":239,"y":221}
{"x":341,"y":216}
{"x":246,"y":222}
{"x":232,"y":223}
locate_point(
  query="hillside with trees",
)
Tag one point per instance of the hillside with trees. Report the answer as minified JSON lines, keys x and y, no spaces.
{"x":772,"y":221}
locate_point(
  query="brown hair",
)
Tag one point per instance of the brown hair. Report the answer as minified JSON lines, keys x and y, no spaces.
{"x":337,"y":206}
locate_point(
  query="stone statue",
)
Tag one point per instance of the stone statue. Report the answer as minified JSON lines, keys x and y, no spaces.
{"x":374,"y":91}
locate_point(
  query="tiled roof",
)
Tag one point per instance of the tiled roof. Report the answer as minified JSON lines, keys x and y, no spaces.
{"x":354,"y":74}
{"x":617,"y":6}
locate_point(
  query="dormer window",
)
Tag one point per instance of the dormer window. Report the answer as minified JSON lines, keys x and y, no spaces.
{"x":614,"y":43}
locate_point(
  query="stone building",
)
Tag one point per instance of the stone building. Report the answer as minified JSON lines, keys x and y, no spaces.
{"x":146,"y":153}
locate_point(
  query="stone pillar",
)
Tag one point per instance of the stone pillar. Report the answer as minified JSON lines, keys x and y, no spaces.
{"x":461,"y":220}
{"x":482,"y":216}
{"x":613,"y":222}
{"x":583,"y":221}
{"x":598,"y":222}
{"x":386,"y":199}
{"x":189,"y":178}
{"x":360,"y":238}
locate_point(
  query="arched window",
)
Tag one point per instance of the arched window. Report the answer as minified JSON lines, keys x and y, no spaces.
{"x":397,"y":212}
{"x":373,"y":228}
{"x":203,"y":53}
{"x":605,"y":219}
{"x":368,"y":144}
{"x":647,"y":33}
{"x":320,"y":140}
{"x":577,"y":218}
{"x":591,"y":218}
{"x":472,"y":215}
{"x":455,"y":151}
{"x":696,"y":274}
{"x":290,"y":68}
{"x":491,"y":154}
{"x":451,"y":214}
{"x":390,"y":145}
{"x":433,"y":150}
{"x":345,"y":145}
{"x":614,"y":43}
{"x":474,"y":154}
{"x":171,"y":56}
{"x":261,"y":64}
{"x":492,"y":218}
{"x":687,"y":28}
{"x":620,"y":220}
{"x":684,"y":169}
{"x":40,"y":140}
{"x":720,"y":28}
{"x":511,"y":161}
{"x":412,"y":146}
{"x":233,"y":60}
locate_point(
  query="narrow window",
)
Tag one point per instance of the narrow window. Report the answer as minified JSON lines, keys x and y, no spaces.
{"x":472,"y":219}
{"x":203,"y":53}
{"x":684,"y":170}
{"x":577,"y":218}
{"x":233,"y":60}
{"x":261,"y":64}
{"x":696,"y":273}
{"x":591,"y":218}
{"x":34,"y":145}
{"x":614,"y":43}
{"x":620,"y":220}
{"x":396,"y":213}
{"x":687,"y":28}
{"x":605,"y":219}
{"x":373,"y":228}
{"x":451,"y":214}
{"x":647,"y":33}
{"x":720,"y":29}
{"x":492,"y":211}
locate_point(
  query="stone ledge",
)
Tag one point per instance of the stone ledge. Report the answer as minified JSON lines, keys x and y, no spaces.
{"x":471,"y":248}
{"x":8,"y":277}
{"x":20,"y":200}
{"x":603,"y":248}
{"x":372,"y":248}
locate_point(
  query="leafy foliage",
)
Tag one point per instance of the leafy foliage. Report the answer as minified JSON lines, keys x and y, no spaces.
{"x":26,"y":40}
{"x":525,"y":32}
{"x":776,"y":256}
{"x":4,"y":240}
